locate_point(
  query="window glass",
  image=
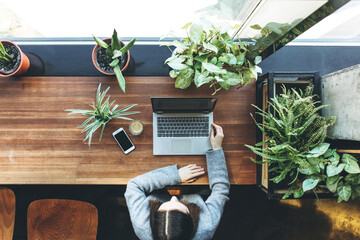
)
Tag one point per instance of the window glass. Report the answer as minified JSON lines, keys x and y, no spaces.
{"x":140,"y":18}
{"x":340,"y":28}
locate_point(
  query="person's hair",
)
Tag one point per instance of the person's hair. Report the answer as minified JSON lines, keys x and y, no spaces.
{"x":168,"y":225}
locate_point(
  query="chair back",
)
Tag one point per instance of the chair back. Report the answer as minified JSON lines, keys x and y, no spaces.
{"x":60,"y":219}
{"x":7,"y":213}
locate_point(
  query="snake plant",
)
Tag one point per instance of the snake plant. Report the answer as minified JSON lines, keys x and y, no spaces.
{"x":4,"y":56}
{"x":115,"y":52}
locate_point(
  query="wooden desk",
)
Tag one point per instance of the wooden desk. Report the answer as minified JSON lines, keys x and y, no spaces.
{"x":41,"y":144}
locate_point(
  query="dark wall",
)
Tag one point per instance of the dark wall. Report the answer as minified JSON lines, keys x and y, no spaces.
{"x":324,"y":59}
{"x":148,"y":60}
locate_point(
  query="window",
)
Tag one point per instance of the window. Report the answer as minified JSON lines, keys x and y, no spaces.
{"x":139,"y":18}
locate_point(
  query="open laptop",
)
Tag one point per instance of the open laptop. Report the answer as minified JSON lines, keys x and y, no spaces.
{"x":181,"y":126}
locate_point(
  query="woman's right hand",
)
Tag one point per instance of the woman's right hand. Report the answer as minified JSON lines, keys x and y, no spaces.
{"x":190,"y":173}
{"x":216,"y":136}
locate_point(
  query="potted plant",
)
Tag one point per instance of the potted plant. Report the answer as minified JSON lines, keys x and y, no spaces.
{"x":294,"y":141}
{"x":13,"y":61}
{"x":100,"y":114}
{"x":111,"y":57}
{"x":210,"y":56}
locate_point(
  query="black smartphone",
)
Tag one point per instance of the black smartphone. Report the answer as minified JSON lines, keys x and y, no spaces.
{"x":123,"y":140}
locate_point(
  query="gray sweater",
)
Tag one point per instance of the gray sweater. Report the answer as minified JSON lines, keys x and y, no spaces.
{"x":211,"y":210}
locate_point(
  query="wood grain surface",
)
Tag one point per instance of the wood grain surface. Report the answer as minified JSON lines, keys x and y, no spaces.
{"x":7,"y":213}
{"x":41,"y":144}
{"x":59,"y":219}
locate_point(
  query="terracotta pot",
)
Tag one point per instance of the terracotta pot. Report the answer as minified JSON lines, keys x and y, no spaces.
{"x":24,"y":62}
{"x":108,"y":41}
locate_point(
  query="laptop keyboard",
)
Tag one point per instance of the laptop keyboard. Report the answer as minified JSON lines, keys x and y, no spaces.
{"x":183,"y":126}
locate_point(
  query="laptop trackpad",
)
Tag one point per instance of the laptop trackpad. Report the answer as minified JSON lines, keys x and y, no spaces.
{"x":181,"y":146}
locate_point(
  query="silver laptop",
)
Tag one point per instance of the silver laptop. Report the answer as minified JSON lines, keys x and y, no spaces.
{"x":181,"y":126}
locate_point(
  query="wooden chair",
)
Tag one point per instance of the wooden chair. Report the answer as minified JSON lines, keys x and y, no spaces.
{"x":7,"y":213}
{"x":59,"y":219}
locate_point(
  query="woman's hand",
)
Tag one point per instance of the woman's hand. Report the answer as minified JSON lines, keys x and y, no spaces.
{"x":216,"y":136}
{"x":190,"y":173}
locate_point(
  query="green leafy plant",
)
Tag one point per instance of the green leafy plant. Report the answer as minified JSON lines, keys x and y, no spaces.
{"x":342,"y":177}
{"x":115,"y":51}
{"x":296,"y":151}
{"x":294,"y":145}
{"x":210,"y":55}
{"x":268,"y":35}
{"x":4,"y":56}
{"x":307,"y":23}
{"x":101,"y":113}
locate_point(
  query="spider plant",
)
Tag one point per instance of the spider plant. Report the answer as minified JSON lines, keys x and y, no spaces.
{"x":100,"y":114}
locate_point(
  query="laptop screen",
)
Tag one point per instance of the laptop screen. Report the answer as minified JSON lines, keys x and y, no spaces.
{"x":183,"y":104}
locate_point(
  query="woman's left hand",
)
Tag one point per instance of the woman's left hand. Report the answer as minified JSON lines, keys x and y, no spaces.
{"x":190,"y":173}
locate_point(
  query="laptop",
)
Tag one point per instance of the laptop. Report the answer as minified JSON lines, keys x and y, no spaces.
{"x":181,"y":126}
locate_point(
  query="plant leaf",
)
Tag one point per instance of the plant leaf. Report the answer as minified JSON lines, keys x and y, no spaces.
{"x":309,"y":184}
{"x":287,"y":194}
{"x":318,"y":151}
{"x":115,"y":42}
{"x":210,"y":47}
{"x":116,"y":54}
{"x":2,"y":49}
{"x":344,"y":192}
{"x":233,"y":78}
{"x":213,"y":68}
{"x":201,"y":78}
{"x":128,"y":46}
{"x":335,"y":158}
{"x":257,"y":59}
{"x":180,"y":46}
{"x":173,"y":73}
{"x":196,"y":33}
{"x":114,"y":63}
{"x":228,"y":40}
{"x":184,"y":79}
{"x":100,"y":42}
{"x":332,"y":183}
{"x":120,"y":77}
{"x":351,"y":163}
{"x":177,"y":64}
{"x":126,"y":108}
{"x":256,"y":27}
{"x":187,"y":25}
{"x":332,"y":170}
{"x":298,"y":193}
{"x":228,"y":58}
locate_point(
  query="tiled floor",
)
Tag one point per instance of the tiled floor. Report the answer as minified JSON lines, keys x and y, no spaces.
{"x":248,"y":214}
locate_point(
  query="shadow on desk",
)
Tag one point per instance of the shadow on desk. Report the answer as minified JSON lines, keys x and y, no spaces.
{"x":248,"y":214}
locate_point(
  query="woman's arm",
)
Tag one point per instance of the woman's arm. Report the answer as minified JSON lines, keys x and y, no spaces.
{"x":218,"y":180}
{"x":135,"y":196}
{"x":219,"y":184}
{"x":138,"y":187}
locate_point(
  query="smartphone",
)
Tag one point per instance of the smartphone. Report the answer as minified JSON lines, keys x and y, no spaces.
{"x":123,"y":140}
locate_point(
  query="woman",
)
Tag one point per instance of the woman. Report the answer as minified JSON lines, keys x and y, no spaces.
{"x":155,"y":217}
